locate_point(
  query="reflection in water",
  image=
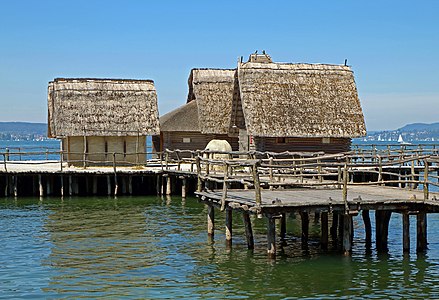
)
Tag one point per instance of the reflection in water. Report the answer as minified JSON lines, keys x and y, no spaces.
{"x":157,"y":247}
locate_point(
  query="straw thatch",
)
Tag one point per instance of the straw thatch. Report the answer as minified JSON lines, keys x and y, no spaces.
{"x":300,"y":100}
{"x":102,"y":107}
{"x":213,"y":90}
{"x":184,"y":118}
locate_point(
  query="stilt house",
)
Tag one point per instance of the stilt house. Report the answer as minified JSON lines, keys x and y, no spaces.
{"x":95,"y":118}
{"x":267,"y":106}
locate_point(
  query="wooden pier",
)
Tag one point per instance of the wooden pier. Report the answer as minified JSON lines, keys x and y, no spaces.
{"x":333,"y":188}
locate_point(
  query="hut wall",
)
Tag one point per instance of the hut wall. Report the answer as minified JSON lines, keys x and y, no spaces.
{"x":194,"y":140}
{"x":335,"y":145}
{"x":100,"y":149}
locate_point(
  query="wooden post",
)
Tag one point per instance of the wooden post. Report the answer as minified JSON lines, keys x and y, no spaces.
{"x":116,"y":186}
{"x":367,"y":227}
{"x":224,"y":195}
{"x":158,"y":184}
{"x":15,"y":181}
{"x":62,"y":185}
{"x":425,"y":186}
{"x":257,"y":183}
{"x":228,"y":226}
{"x":405,"y":232}
{"x":345,"y":185}
{"x":183,"y":187}
{"x":305,"y":228}
{"x":324,"y":230}
{"x":248,"y":230}
{"x":40,"y":185}
{"x":108,"y":185}
{"x":412,"y":170}
{"x":271,"y":237}
{"x":334,"y":227}
{"x":283,"y":226}
{"x":199,"y":182}
{"x":319,"y":170}
{"x":168,"y":185}
{"x":130,"y":184}
{"x":340,"y":226}
{"x":382,"y":218}
{"x":95,"y":185}
{"x":271,"y":171}
{"x":380,"y":169}
{"x":421,"y":232}
{"x":70,"y":185}
{"x":347,"y":234}
{"x":48,"y":187}
{"x":210,"y":220}
{"x":85,"y":151}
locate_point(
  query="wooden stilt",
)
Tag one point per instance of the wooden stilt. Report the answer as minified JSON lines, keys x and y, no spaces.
{"x":382,"y":218}
{"x":130,"y":185}
{"x":168,"y":185}
{"x":40,"y":186}
{"x":163,"y":182}
{"x":87,"y":185}
{"x":283,"y":226}
{"x":15,"y":180}
{"x":340,"y":227}
{"x":210,"y":220}
{"x":405,"y":232}
{"x":316,"y":217}
{"x":6,"y":186}
{"x":334,"y":227}
{"x":76,"y":185}
{"x":324,"y":230}
{"x":108,"y":185}
{"x":347,"y":233}
{"x":95,"y":185}
{"x":70,"y":185}
{"x":34,"y":185}
{"x":367,"y":228}
{"x":228,"y":226}
{"x":124,"y":185}
{"x":158,"y":184}
{"x":48,"y":186}
{"x":305,"y":228}
{"x":183,"y":187}
{"x":271,"y":237}
{"x":421,"y":232}
{"x":248,"y":230}
{"x":62,"y":186}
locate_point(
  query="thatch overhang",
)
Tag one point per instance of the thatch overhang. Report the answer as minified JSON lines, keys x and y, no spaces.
{"x":184,"y":118}
{"x":213,"y":90}
{"x":102,"y":107}
{"x":300,"y":100}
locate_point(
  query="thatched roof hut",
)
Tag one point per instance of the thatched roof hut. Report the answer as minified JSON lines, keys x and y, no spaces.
{"x":278,"y":99}
{"x":300,"y":100}
{"x":213,"y":89}
{"x":182,"y":119}
{"x":102,"y":107}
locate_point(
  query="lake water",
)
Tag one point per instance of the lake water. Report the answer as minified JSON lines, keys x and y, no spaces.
{"x":150,"y":247}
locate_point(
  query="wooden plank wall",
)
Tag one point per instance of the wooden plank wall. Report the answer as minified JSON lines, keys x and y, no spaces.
{"x":335,"y":145}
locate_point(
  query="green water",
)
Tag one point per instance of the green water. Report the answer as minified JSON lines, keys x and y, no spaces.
{"x":148,"y":247}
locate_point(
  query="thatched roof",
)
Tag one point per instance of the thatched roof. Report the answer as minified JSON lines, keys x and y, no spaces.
{"x":213,"y":90}
{"x":184,"y":118}
{"x":102,"y":107}
{"x":300,"y":100}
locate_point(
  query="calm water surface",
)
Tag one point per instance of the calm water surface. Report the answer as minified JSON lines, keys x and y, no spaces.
{"x":148,"y":247}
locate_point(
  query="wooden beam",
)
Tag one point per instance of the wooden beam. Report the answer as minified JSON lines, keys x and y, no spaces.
{"x":421,"y":232}
{"x":347,"y":234}
{"x":210,"y":220}
{"x":324,"y":230}
{"x":405,"y":232}
{"x":367,"y":228}
{"x":305,"y":229}
{"x":248,"y":230}
{"x":283,"y":226}
{"x":271,"y":237}
{"x":229,"y":215}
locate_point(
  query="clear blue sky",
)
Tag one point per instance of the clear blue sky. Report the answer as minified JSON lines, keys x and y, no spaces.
{"x":393,"y":47}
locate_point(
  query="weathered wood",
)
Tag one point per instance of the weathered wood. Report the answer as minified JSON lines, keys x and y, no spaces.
{"x":382,"y":219}
{"x":283,"y":226}
{"x":95,"y":185}
{"x":210,"y":220}
{"x":248,"y":230}
{"x":367,"y":228}
{"x":199,"y":182}
{"x":229,"y":215}
{"x":168,"y":186}
{"x":405,"y":232}
{"x":40,"y":186}
{"x":130,"y":184}
{"x":421,"y":231}
{"x":70,"y":185}
{"x":271,"y":236}
{"x":305,"y":228}
{"x":15,"y":180}
{"x":183,"y":187}
{"x":347,"y":233}
{"x":48,"y":186}
{"x":340,"y":226}
{"x":62,"y":186}
{"x":108,"y":185}
{"x":334,"y":226}
{"x":425,"y":187}
{"x":257,"y":183}
{"x":224,"y":196}
{"x":158,"y":184}
{"x":324,"y":230}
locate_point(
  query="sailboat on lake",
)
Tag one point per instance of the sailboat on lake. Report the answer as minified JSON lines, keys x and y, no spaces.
{"x":401,"y":141}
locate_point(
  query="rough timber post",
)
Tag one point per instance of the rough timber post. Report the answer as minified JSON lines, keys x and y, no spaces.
{"x":421,"y":232}
{"x":382,"y":218}
{"x":347,"y":234}
{"x":158,"y":184}
{"x":271,"y":236}
{"x":248,"y":230}
{"x":108,"y":185}
{"x":283,"y":226}
{"x":367,"y":228}
{"x":130,"y":184}
{"x":405,"y":232}
{"x":183,"y":187}
{"x":324,"y":230}
{"x":62,"y":185}
{"x":305,"y":229}
{"x":40,"y":185}
{"x":95,"y":185}
{"x":15,"y":185}
{"x":70,"y":185}
{"x":228,"y":226}
{"x":168,"y":185}
{"x":210,"y":220}
{"x":334,"y":227}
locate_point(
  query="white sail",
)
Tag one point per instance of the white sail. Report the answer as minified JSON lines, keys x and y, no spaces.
{"x":400,"y":140}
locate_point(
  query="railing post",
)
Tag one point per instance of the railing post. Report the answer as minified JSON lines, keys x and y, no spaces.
{"x":19,"y":153}
{"x":47,"y":154}
{"x":4,"y":161}
{"x":61,"y":159}
{"x":271,"y":171}
{"x":6,"y":155}
{"x":116,"y":186}
{"x":226,"y":177}
{"x":380,"y":169}
{"x":345,"y":186}
{"x":319,"y":170}
{"x":425,"y":185}
{"x":166,"y":159}
{"x":257,"y":183}
{"x":199,"y":182}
